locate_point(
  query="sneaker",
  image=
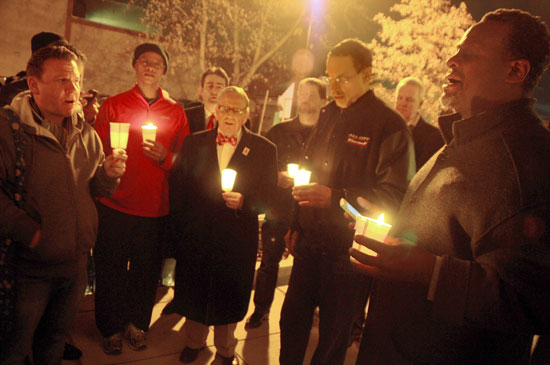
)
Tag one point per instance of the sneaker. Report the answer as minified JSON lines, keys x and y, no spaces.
{"x":188,"y":355}
{"x":135,"y":337}
{"x":112,"y":345}
{"x":255,"y":320}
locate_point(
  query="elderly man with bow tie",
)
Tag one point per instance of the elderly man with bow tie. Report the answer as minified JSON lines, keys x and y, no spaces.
{"x":218,"y":231}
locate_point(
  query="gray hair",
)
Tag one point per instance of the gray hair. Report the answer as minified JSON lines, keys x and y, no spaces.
{"x":235,"y":89}
{"x":411,"y":80}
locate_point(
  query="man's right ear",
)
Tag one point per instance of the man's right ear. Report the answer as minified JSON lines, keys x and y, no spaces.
{"x":33,"y":85}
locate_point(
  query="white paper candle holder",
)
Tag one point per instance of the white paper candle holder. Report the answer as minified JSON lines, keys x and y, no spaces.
{"x":119,"y":135}
{"x":375,"y":229}
{"x":302,"y":177}
{"x":228,"y":179}
{"x":292,"y":169}
{"x":149,"y":131}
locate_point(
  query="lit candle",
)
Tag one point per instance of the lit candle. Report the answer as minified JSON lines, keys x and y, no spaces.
{"x":292,"y":169}
{"x":228,"y":179}
{"x":119,"y":135}
{"x":302,"y":177}
{"x":375,"y":229}
{"x":149,"y":131}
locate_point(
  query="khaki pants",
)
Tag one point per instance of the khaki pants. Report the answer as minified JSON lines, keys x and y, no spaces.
{"x":224,"y":338}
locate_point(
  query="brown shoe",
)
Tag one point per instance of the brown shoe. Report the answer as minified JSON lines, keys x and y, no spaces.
{"x":135,"y":337}
{"x":112,"y":345}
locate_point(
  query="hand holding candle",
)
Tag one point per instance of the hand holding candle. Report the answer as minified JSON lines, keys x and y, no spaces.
{"x":312,"y":195}
{"x":115,"y":164}
{"x":233,"y":200}
{"x":396,"y":260}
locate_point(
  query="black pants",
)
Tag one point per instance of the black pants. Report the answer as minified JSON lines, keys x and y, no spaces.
{"x":128,"y":259}
{"x":331,"y":284}
{"x":273,"y":246}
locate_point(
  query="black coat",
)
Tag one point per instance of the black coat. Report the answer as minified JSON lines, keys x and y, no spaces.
{"x":363,"y":150}
{"x":195,"y":116}
{"x":217,"y":247}
{"x":427,"y":140}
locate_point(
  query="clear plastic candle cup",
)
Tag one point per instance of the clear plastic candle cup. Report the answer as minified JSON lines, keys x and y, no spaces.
{"x":149,"y":131}
{"x":228,"y":179}
{"x":302,"y":177}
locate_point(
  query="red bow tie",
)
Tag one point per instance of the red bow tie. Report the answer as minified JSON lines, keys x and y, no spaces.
{"x":221,"y":139}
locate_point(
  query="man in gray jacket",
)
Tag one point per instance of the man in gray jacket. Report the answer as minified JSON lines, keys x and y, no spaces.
{"x":57,"y":226}
{"x":466,"y":279}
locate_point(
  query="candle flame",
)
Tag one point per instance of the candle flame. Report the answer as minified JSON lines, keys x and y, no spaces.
{"x":380,"y":219}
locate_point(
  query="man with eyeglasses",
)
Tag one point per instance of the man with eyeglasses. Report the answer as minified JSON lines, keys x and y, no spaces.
{"x":128,"y":253}
{"x":218,"y":230}
{"x":360,"y":147}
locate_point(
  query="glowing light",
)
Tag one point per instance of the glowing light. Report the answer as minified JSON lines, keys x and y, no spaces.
{"x":375,"y":229}
{"x":228,"y":179}
{"x":292,"y":169}
{"x":302,"y":177}
{"x":149,"y":131}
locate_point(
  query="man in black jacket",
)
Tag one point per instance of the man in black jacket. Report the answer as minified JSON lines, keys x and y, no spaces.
{"x":289,"y":137}
{"x":409,"y":97}
{"x":200,"y":114}
{"x":358,"y":147}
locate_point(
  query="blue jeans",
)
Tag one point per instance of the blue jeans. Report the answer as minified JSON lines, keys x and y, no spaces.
{"x":45,"y":309}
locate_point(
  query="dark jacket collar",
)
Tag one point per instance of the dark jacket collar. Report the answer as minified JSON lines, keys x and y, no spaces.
{"x":454,"y":128}
{"x":366,"y":98}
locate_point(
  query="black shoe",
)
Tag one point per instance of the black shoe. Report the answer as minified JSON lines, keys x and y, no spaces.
{"x":70,"y":352}
{"x":222,"y":360}
{"x":189,"y":355}
{"x":255,"y":320}
{"x":169,"y":308}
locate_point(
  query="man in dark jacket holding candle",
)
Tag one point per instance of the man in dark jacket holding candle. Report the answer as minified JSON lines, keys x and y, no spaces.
{"x":465,"y":281}
{"x":359,"y":147}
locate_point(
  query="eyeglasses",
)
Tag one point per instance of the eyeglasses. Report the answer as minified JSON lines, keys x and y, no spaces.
{"x":226,"y":109}
{"x":341,"y":80}
{"x":155,"y":65}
